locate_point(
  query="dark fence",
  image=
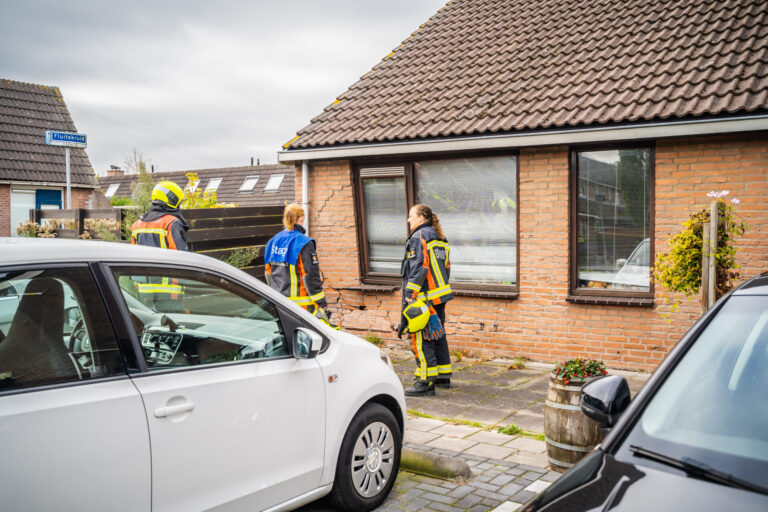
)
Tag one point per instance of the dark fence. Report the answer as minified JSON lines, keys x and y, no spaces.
{"x":222,"y":232}
{"x":74,"y":222}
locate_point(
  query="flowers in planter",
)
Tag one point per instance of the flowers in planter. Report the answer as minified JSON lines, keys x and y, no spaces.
{"x":579,"y":368}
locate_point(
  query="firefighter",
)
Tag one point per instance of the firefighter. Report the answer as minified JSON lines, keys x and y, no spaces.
{"x":426,"y":273}
{"x":292,"y":267}
{"x":162,"y":226}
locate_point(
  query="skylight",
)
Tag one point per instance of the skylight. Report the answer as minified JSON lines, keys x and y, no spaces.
{"x":248,"y":184}
{"x":274,"y":182}
{"x":213,"y":184}
{"x":112,"y":189}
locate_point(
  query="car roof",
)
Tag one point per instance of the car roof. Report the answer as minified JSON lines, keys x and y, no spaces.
{"x":20,"y":251}
{"x":758,"y":285}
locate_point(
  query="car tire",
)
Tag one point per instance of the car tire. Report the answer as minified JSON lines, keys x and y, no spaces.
{"x":368,"y":461}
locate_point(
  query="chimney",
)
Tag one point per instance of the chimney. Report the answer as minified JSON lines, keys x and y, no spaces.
{"x":251,"y":161}
{"x":115,"y":171}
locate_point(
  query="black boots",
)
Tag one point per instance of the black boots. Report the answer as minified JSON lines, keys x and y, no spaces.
{"x":421,"y":388}
{"x":443,"y":382}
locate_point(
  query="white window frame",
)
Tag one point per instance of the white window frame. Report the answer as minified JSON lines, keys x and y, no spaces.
{"x":212,"y":187}
{"x":111,"y":190}
{"x":275,"y":178}
{"x":244,"y":188}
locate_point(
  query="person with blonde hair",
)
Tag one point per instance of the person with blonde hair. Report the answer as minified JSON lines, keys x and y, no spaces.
{"x":292,"y":267}
{"x":426,"y":272}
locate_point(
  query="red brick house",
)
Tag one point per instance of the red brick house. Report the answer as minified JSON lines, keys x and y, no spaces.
{"x":32,"y":174}
{"x":560,"y":142}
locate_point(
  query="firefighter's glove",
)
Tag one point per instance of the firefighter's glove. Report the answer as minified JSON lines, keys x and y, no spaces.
{"x":402,"y":327}
{"x":434,"y":329}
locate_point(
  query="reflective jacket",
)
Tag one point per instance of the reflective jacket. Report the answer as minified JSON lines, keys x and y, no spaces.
{"x":426,"y":267}
{"x":160,"y":227}
{"x":292,"y":268}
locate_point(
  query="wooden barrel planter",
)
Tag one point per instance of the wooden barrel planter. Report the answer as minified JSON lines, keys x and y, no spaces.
{"x":569,"y":433}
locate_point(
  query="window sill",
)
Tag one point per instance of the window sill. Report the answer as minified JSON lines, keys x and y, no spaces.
{"x":486,"y":294}
{"x":610,"y":301}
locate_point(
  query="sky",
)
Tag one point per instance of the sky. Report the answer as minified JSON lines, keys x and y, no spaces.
{"x":197,"y":85}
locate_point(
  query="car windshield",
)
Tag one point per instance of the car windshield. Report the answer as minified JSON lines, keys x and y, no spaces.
{"x":711,"y":407}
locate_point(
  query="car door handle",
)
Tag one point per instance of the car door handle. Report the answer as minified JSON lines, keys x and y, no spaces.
{"x":162,"y":412}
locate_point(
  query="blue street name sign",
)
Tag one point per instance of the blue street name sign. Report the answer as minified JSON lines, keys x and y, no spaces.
{"x":68,"y":139}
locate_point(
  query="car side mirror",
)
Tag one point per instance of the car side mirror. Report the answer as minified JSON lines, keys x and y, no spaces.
{"x":621,"y":262}
{"x":306,"y":344}
{"x":605,"y":398}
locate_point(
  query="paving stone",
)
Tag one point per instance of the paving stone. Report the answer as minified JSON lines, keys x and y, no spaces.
{"x":526,"y":444}
{"x":551,"y":476}
{"x":508,"y":506}
{"x":538,"y":486}
{"x":511,"y":489}
{"x":456,"y":431}
{"x":485,"y":465}
{"x":489,"y":450}
{"x":482,"y":414}
{"x":483,"y":485}
{"x":526,"y":420}
{"x":470,"y":500}
{"x":486,"y":437}
{"x":491,"y":495}
{"x":422,"y":424}
{"x":444,"y":508}
{"x":443,"y":409}
{"x":530,"y":459}
{"x":460,"y":492}
{"x":524,"y":496}
{"x":417,"y":437}
{"x":440,"y":498}
{"x":502,"y":480}
{"x":412,"y":493}
{"x":478,"y":508}
{"x":451,"y":443}
{"x":416,"y":504}
{"x":431,"y":488}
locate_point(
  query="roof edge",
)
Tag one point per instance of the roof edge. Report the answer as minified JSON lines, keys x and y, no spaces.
{"x":531,"y":139}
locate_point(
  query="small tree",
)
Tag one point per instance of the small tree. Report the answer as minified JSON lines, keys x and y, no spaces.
{"x":196,"y":198}
{"x":679,"y":268}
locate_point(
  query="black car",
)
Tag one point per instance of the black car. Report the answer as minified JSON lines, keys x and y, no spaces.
{"x":696,"y":436}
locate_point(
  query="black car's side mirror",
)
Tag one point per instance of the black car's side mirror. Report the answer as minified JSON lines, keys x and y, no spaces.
{"x":306,"y":344}
{"x":605,"y":398}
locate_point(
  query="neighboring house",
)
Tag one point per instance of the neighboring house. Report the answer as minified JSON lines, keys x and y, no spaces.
{"x":253,"y":185}
{"x":32,"y":174}
{"x":552,"y":139}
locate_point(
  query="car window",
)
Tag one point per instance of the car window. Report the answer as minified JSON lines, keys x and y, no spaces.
{"x":712,"y":406}
{"x":187,"y":318}
{"x":54,"y":329}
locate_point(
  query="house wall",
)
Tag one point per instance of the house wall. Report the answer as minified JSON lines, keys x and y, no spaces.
{"x":541,"y":324}
{"x":80,"y":199}
{"x":5,"y":210}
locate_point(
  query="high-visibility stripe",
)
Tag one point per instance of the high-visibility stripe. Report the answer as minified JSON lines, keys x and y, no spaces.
{"x":159,"y":288}
{"x":302,"y":301}
{"x":316,"y":297}
{"x":422,"y":369}
{"x":161,"y":234}
{"x":444,"y":368}
{"x":439,"y":292}
{"x":413,"y":287}
{"x":294,"y":285}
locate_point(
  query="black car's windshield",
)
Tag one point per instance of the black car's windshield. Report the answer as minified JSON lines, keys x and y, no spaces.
{"x":712,"y":407}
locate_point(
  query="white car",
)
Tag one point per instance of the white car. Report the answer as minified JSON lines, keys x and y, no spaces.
{"x":140,"y":379}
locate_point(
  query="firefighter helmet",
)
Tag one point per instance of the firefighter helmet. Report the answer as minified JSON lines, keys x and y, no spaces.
{"x":169,"y":193}
{"x":417,"y":315}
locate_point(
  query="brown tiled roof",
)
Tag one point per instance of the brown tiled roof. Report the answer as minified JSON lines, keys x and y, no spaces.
{"x":26,"y":112}
{"x":503,"y":66}
{"x":232,"y":179}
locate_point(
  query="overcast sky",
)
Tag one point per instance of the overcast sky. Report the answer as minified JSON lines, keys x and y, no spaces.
{"x":194,"y":85}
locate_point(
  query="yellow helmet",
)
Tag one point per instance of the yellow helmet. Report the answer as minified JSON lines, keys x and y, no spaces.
{"x":169,"y":193}
{"x":417,"y":315}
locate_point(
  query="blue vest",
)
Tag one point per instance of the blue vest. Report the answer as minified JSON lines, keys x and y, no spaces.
{"x":285,"y":247}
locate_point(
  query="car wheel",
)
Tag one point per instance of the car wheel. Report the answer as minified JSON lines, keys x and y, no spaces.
{"x":368,"y":460}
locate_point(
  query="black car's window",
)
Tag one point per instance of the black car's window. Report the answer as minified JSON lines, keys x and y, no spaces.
{"x":712,"y":407}
{"x":185,"y":318}
{"x":53,"y":329}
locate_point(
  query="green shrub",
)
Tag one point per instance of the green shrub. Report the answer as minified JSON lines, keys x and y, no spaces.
{"x":242,"y":257}
{"x":374,"y":339}
{"x":509,"y":430}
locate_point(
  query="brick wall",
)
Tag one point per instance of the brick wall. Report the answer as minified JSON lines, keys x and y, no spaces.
{"x":5,"y":210}
{"x":540,"y":324}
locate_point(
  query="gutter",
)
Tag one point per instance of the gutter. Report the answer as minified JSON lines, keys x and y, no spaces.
{"x":45,"y":184}
{"x":544,"y":138}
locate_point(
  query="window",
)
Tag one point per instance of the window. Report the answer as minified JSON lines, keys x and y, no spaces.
{"x":476,"y":201}
{"x":611,"y":245}
{"x":192,"y":184}
{"x":54,"y":329}
{"x":112,"y":189}
{"x":213,"y":185}
{"x":274,"y":182}
{"x":185,"y":318}
{"x":248,"y":184}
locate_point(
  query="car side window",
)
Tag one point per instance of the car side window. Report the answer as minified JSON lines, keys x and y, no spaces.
{"x":54,"y":329}
{"x":185,"y":318}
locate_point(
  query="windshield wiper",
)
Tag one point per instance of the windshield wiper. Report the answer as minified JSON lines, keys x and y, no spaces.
{"x":697,"y":468}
